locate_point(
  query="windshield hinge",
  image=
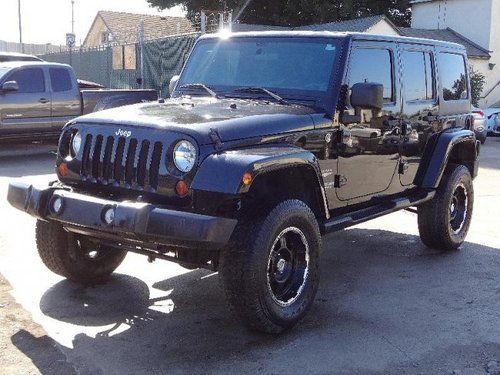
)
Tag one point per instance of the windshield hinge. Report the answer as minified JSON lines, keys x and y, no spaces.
{"x":215,"y":137}
{"x":340,"y":180}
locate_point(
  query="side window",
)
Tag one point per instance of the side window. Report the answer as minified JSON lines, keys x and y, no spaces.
{"x":453,"y":76}
{"x":373,"y":65}
{"x":418,"y":75}
{"x":30,"y":80}
{"x":60,"y":79}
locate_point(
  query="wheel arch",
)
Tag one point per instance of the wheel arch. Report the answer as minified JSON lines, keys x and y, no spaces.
{"x":456,"y":146}
{"x":270,"y":169}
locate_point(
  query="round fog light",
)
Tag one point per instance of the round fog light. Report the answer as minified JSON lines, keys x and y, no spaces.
{"x":57,"y":205}
{"x":109,"y":216}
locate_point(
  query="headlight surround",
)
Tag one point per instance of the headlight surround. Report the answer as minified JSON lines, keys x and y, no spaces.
{"x":184,"y":156}
{"x":76,"y":143}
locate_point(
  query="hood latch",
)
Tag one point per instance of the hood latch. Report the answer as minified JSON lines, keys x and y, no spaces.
{"x":216,"y":140}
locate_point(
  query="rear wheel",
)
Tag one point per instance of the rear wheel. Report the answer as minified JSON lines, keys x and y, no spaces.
{"x":271,"y":271}
{"x":76,"y":258}
{"x":444,"y":222}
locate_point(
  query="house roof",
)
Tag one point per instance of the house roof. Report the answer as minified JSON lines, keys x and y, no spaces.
{"x":356,"y":25}
{"x":124,"y":27}
{"x":447,"y":35}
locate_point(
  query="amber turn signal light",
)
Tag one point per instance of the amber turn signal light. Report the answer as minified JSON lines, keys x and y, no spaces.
{"x":63,"y":169}
{"x":181,"y":189}
{"x":247,"y":179}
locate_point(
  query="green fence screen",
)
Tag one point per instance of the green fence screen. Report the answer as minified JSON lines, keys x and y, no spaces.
{"x":162,"y":59}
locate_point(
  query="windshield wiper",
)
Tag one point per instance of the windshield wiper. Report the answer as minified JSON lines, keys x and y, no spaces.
{"x":258,"y":90}
{"x":198,"y":86}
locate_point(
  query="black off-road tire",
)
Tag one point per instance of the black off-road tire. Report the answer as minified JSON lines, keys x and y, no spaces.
{"x":438,"y":225}
{"x":64,"y":254}
{"x":255,"y":250}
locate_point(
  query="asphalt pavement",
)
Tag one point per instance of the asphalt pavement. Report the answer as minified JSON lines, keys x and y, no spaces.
{"x":386,"y":304}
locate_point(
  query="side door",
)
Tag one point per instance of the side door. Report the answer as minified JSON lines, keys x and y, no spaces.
{"x":26,"y":110}
{"x":420,"y":107}
{"x":368,"y":153}
{"x":66,"y":100}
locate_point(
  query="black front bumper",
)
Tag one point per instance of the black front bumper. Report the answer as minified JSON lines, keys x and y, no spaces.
{"x":138,"y":222}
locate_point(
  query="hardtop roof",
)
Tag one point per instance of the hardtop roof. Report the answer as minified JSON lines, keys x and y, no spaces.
{"x":333,"y":34}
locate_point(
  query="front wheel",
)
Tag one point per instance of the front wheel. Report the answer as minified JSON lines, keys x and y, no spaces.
{"x":76,"y":258}
{"x":271,"y":270}
{"x":444,"y":221}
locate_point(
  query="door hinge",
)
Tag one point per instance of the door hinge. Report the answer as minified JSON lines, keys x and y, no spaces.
{"x":340,"y":180}
{"x":403,"y":166}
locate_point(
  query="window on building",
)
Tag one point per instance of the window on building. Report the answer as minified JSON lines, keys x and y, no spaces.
{"x":453,"y":76}
{"x":30,"y":80}
{"x":60,"y":79}
{"x":106,"y":37}
{"x":373,"y":65}
{"x":418,"y":75}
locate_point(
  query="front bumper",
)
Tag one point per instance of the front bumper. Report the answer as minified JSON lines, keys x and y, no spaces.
{"x":133,"y":221}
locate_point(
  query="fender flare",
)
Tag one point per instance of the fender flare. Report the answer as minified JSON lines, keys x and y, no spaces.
{"x":438,"y":152}
{"x":223,"y":172}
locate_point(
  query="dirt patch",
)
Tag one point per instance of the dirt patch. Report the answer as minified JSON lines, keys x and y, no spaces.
{"x":25,"y":347}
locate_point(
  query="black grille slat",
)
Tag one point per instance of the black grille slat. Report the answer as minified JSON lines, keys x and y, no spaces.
{"x":85,"y":168}
{"x":96,"y":157}
{"x":141,"y":163}
{"x":129,"y":163}
{"x":118,"y":160}
{"x":154,"y":167}
{"x":106,"y":160}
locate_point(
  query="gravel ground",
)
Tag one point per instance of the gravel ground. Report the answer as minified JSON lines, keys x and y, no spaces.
{"x":386,"y":304}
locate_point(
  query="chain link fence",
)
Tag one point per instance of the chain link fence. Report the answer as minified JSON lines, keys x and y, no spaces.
{"x":148,"y":65}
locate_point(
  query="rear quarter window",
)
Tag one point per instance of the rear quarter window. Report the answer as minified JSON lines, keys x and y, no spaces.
{"x":452,"y":69}
{"x":60,"y":79}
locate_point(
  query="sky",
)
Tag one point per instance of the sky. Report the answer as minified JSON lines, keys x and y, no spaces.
{"x":48,"y":21}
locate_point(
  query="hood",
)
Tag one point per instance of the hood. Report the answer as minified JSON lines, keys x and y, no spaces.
{"x":233,"y":119}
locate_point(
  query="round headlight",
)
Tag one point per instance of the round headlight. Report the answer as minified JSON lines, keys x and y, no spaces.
{"x":76,"y":143}
{"x":184,"y":156}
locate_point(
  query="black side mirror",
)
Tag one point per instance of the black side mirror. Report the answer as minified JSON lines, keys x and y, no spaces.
{"x":367,"y":95}
{"x":10,"y":86}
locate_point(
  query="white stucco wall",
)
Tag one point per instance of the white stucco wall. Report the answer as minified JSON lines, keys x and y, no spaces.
{"x":456,"y":14}
{"x":382,"y":28}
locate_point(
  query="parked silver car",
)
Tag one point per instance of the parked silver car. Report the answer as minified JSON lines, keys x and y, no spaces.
{"x":493,"y":120}
{"x":480,"y":125}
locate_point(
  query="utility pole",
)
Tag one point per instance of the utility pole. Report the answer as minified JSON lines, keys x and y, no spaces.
{"x":72,"y":16}
{"x":20,"y":25}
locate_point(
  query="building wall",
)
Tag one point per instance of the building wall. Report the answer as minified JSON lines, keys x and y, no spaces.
{"x":455,"y":14}
{"x":483,"y":29}
{"x":383,"y":28}
{"x":94,"y":37}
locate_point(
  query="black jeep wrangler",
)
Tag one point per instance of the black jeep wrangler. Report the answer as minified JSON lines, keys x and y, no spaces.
{"x":269,"y":142}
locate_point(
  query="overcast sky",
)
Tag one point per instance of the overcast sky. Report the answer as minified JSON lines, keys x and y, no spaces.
{"x":48,"y":21}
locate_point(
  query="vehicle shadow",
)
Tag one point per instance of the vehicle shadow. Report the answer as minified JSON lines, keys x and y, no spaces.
{"x":19,"y":160}
{"x":381,"y":291}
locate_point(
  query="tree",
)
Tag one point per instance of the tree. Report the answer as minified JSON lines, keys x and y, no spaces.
{"x":477,"y":81}
{"x":297,"y":12}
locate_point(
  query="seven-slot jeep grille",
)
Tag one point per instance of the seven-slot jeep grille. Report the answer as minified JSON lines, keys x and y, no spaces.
{"x":127,"y":162}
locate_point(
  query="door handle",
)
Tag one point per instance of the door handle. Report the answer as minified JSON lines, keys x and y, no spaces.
{"x":44,"y":101}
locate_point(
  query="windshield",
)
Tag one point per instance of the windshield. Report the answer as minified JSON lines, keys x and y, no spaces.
{"x":289,"y":67}
{"x":3,"y":72}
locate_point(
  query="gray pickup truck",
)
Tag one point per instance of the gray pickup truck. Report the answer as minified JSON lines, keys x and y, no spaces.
{"x":38,"y":98}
